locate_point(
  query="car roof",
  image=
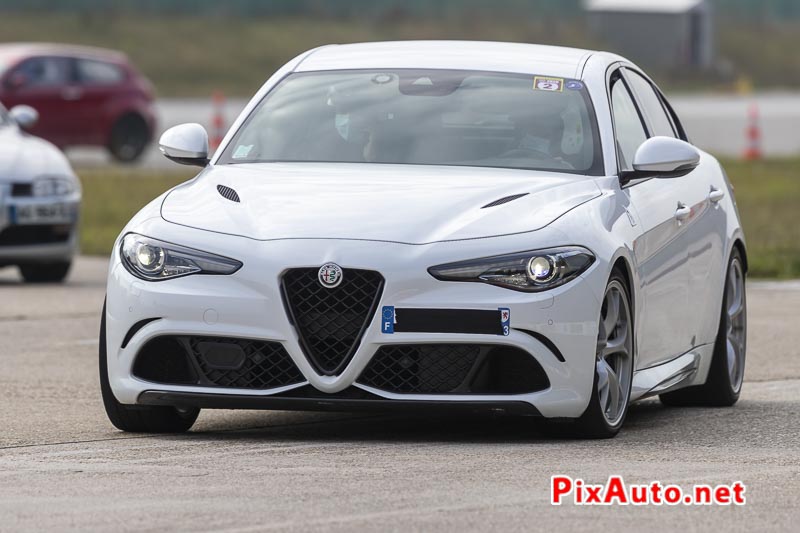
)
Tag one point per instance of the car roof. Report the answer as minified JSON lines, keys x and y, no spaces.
{"x":459,"y":55}
{"x":22,"y":50}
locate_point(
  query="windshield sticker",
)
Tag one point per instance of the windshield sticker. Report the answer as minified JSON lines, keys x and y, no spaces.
{"x":380,"y":79}
{"x":548,"y":84}
{"x":574,"y":85}
{"x":242,"y":151}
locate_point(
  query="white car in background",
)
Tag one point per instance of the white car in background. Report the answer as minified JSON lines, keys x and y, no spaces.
{"x":454,"y":225}
{"x":40,"y":198}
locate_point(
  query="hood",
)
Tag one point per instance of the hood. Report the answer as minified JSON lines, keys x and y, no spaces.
{"x":24,"y":157}
{"x":397,"y":203}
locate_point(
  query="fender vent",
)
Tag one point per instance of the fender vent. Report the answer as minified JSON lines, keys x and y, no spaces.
{"x":505,"y":200}
{"x":228,"y":193}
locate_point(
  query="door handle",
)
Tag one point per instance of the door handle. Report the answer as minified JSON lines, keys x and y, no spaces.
{"x":682,"y":213}
{"x":71,"y":93}
{"x":715,"y":195}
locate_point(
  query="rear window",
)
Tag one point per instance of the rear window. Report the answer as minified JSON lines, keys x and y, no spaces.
{"x":426,"y":117}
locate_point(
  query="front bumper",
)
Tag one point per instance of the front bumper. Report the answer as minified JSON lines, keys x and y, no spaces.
{"x":314,"y":402}
{"x":39,"y":240}
{"x":248,"y":305}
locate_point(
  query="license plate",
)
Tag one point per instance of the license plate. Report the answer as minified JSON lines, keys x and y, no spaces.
{"x":42,"y":214}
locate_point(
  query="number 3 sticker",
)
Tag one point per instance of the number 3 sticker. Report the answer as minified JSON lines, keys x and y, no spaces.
{"x":505,"y":320}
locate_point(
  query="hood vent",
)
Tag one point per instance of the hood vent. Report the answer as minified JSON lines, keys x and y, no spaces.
{"x":505,"y":200}
{"x":228,"y":193}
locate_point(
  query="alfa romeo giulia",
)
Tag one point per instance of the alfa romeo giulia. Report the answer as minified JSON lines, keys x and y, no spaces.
{"x":417,"y":225}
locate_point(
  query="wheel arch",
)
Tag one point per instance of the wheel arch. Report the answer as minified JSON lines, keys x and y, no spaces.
{"x":130,"y":114}
{"x":623,"y":265}
{"x":738,"y":244}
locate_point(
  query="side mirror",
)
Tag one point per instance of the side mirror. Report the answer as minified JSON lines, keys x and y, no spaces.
{"x":662,"y":157}
{"x":186,"y":144}
{"x":24,"y":115}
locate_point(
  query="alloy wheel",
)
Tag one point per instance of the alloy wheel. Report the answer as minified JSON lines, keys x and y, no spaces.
{"x":736,"y":326}
{"x":614,"y":362}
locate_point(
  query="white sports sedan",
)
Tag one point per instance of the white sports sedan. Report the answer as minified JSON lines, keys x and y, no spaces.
{"x":417,"y":225}
{"x":40,"y":200}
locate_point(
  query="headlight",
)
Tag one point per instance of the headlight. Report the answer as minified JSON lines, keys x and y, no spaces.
{"x":154,"y":260}
{"x":534,"y":271}
{"x":53,"y":186}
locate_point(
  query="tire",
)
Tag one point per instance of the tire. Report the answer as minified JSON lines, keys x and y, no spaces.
{"x":724,"y":383}
{"x":55,"y":272}
{"x":129,"y":138}
{"x":606,"y":412}
{"x":139,"y":418}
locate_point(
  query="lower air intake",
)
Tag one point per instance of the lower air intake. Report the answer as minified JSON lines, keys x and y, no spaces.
{"x":216,"y":362}
{"x":244,"y":364}
{"x":454,"y":369}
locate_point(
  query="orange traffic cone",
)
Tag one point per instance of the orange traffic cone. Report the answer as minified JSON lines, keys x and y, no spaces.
{"x":217,"y":120}
{"x":753,"y":132}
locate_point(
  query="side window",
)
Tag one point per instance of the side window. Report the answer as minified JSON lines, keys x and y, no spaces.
{"x":44,"y":72}
{"x":92,"y":72}
{"x":630,"y":131}
{"x":675,"y":120}
{"x":651,"y":105}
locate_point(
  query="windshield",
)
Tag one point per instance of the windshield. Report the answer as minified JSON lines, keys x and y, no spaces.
{"x":426,"y":117}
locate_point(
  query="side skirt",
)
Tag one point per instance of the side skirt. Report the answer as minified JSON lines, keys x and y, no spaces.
{"x":685,"y":370}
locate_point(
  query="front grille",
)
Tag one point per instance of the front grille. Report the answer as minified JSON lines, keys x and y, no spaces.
{"x":38,"y":234}
{"x":263,"y":365}
{"x":216,"y":362}
{"x":331,"y":321}
{"x":454,"y":369}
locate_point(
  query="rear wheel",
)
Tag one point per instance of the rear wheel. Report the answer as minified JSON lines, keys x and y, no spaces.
{"x":54,"y":272}
{"x":139,"y":418}
{"x":129,"y":138}
{"x":611,"y":393}
{"x":726,"y":374}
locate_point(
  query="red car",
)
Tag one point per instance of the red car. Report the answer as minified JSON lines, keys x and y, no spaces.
{"x":84,"y":96}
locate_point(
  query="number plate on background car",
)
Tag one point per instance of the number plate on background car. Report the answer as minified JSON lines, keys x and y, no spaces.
{"x":42,"y":214}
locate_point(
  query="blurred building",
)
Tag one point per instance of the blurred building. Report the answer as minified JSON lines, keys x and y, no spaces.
{"x":666,"y":34}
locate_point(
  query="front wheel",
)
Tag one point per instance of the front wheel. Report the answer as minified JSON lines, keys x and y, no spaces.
{"x":129,"y":138}
{"x":139,"y":418}
{"x":611,"y":392}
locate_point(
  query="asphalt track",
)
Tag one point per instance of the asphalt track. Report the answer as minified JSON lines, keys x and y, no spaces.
{"x":64,"y":467}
